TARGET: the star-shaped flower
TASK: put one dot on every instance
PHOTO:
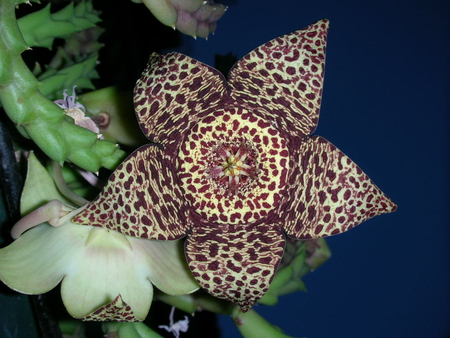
(238, 169)
(104, 275)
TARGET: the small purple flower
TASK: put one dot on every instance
(77, 111)
(69, 102)
(238, 169)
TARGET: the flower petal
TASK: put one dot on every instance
(169, 270)
(283, 79)
(141, 199)
(107, 266)
(330, 194)
(173, 92)
(30, 265)
(117, 311)
(235, 262)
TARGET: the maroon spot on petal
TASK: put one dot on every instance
(277, 55)
(213, 266)
(233, 267)
(294, 57)
(253, 269)
(316, 83)
(237, 256)
(269, 65)
(201, 258)
(310, 96)
(251, 65)
(265, 260)
(347, 194)
(263, 72)
(195, 70)
(156, 89)
(180, 99)
(229, 278)
(318, 229)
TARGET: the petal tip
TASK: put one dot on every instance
(117, 310)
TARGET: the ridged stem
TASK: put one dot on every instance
(36, 116)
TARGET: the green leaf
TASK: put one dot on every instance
(39, 187)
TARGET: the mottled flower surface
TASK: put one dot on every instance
(237, 168)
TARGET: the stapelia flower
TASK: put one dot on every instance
(104, 275)
(191, 17)
(237, 169)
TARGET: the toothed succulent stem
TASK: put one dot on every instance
(36, 116)
(40, 28)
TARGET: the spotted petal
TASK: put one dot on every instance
(330, 194)
(142, 199)
(285, 76)
(173, 92)
(117, 311)
(235, 262)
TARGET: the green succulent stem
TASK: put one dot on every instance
(129, 330)
(36, 116)
(40, 28)
(251, 325)
(197, 301)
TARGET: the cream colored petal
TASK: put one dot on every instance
(108, 266)
(169, 270)
(96, 266)
(37, 261)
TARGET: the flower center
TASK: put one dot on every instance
(233, 166)
(233, 170)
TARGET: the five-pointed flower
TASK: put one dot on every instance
(237, 169)
(104, 275)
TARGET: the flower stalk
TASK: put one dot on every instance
(251, 325)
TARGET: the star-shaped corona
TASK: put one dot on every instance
(237, 169)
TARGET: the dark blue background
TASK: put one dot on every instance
(385, 104)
